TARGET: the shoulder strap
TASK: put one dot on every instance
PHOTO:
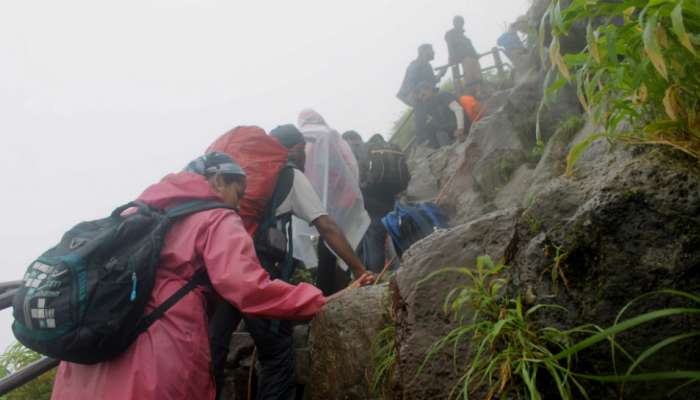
(194, 206)
(285, 180)
(199, 278)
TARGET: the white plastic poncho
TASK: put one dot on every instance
(332, 170)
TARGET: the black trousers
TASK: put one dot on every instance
(372, 246)
(275, 349)
(326, 279)
(425, 135)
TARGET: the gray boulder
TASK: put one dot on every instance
(420, 317)
(340, 340)
(627, 224)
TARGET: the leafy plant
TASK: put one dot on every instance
(626, 325)
(509, 354)
(637, 75)
(15, 358)
(556, 271)
(384, 358)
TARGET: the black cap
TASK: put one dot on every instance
(352, 135)
(288, 135)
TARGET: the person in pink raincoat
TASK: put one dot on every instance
(171, 359)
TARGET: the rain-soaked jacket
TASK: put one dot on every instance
(171, 359)
(332, 170)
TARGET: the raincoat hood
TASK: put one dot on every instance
(178, 188)
(332, 171)
(310, 117)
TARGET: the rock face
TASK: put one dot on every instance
(340, 340)
(420, 317)
(492, 169)
(626, 224)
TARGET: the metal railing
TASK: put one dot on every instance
(31, 371)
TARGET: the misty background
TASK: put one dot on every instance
(100, 99)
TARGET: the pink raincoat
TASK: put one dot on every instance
(171, 360)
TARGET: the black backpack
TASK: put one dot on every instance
(385, 168)
(83, 301)
(273, 238)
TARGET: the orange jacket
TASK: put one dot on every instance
(472, 107)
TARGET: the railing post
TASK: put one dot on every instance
(497, 61)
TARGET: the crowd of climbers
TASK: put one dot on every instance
(336, 187)
(441, 117)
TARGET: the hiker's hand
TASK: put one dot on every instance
(365, 279)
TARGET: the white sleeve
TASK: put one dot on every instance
(302, 200)
(459, 114)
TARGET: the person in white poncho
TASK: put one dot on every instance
(332, 170)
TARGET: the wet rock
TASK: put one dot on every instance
(626, 226)
(421, 320)
(340, 341)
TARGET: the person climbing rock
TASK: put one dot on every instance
(171, 359)
(461, 51)
(447, 117)
(293, 195)
(331, 168)
(419, 71)
(385, 174)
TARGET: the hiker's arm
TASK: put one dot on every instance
(235, 273)
(459, 115)
(334, 237)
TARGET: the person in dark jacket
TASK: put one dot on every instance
(461, 51)
(420, 71)
(354, 140)
(447, 119)
(377, 203)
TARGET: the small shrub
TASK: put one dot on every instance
(509, 355)
(637, 75)
(384, 358)
(15, 358)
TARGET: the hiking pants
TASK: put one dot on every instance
(424, 136)
(372, 245)
(327, 266)
(275, 352)
(276, 373)
(221, 326)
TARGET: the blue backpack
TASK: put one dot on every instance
(409, 223)
(84, 300)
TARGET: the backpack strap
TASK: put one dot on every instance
(285, 180)
(199, 278)
(194, 206)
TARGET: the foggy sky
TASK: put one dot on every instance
(98, 98)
